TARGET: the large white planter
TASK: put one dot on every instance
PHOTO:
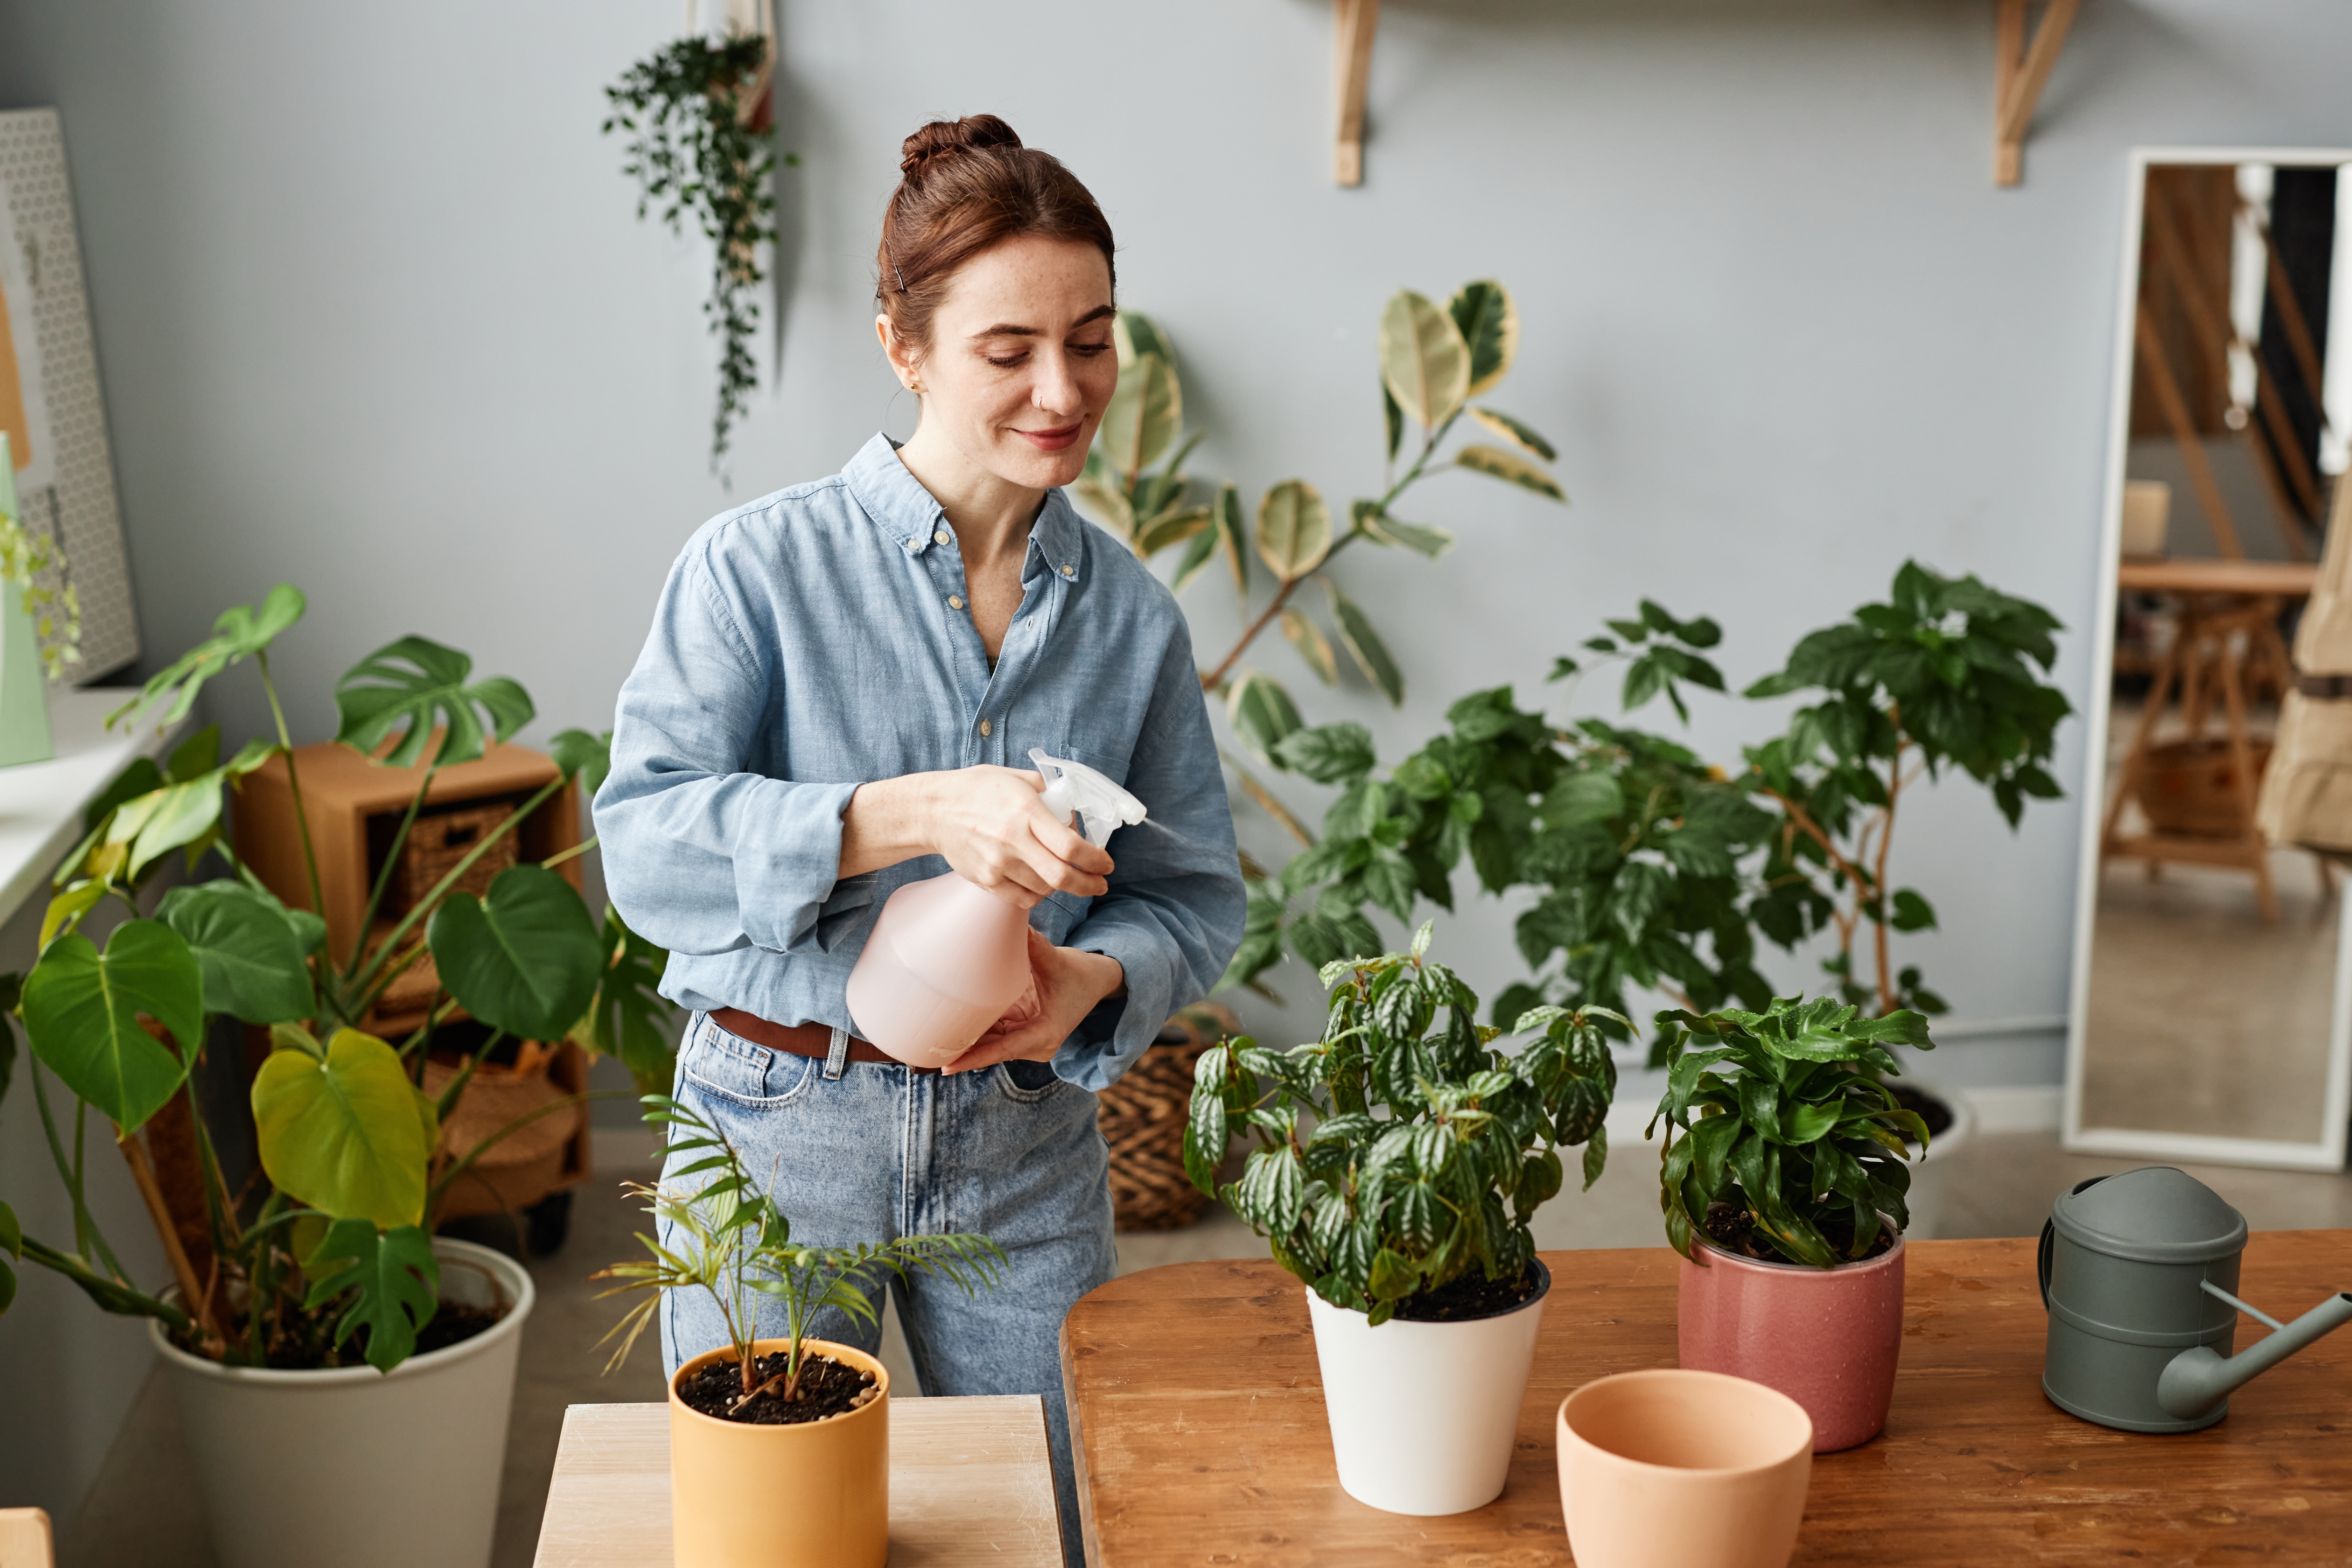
(1926, 1199)
(1423, 1416)
(351, 1465)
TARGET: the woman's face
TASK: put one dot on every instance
(1021, 363)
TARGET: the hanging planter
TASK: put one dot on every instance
(699, 114)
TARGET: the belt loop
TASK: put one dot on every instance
(837, 1058)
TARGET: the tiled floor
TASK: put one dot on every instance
(144, 1509)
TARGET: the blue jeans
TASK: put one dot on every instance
(867, 1151)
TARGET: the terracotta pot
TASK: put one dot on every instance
(1445, 1444)
(1827, 1338)
(816, 1495)
(1664, 1469)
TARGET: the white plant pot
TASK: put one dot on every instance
(1926, 1199)
(351, 1465)
(1423, 1416)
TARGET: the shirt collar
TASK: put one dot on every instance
(912, 516)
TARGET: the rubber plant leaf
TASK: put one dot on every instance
(342, 1132)
(81, 1011)
(393, 1281)
(1134, 334)
(1294, 529)
(1364, 645)
(1423, 360)
(249, 950)
(421, 685)
(1489, 324)
(242, 629)
(1143, 415)
(1197, 556)
(1512, 468)
(1173, 528)
(1312, 644)
(1515, 433)
(1230, 536)
(525, 959)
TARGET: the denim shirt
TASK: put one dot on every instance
(816, 639)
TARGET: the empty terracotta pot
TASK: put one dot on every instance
(816, 1495)
(1666, 1469)
(1827, 1338)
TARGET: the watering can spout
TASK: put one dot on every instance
(2197, 1380)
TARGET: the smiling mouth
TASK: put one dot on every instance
(1052, 440)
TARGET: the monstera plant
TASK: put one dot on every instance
(333, 1241)
(1434, 360)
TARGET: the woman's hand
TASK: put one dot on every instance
(1068, 985)
(989, 823)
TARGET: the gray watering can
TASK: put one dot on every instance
(2139, 1273)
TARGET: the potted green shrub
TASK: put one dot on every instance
(1399, 1161)
(334, 1363)
(1784, 1194)
(779, 1448)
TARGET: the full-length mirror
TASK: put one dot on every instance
(2209, 1010)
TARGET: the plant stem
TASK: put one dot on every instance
(390, 859)
(293, 784)
(560, 856)
(1885, 840)
(88, 1241)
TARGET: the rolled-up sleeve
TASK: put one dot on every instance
(1174, 915)
(702, 856)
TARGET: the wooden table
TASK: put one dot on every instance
(969, 1484)
(1198, 1416)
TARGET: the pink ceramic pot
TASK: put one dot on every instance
(1827, 1338)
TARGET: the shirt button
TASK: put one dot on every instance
(914, 542)
(983, 726)
(941, 536)
(955, 601)
(1069, 570)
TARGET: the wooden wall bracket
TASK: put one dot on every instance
(1354, 22)
(2019, 74)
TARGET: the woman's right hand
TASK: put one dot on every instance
(989, 823)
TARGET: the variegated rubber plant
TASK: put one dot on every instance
(1434, 360)
(1783, 1120)
(1399, 1152)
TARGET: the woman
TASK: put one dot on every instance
(840, 680)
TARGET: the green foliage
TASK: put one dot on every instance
(30, 563)
(1402, 1151)
(340, 1127)
(735, 1243)
(1783, 1118)
(525, 959)
(387, 1282)
(81, 1011)
(249, 948)
(241, 631)
(625, 1019)
(698, 153)
(1432, 359)
(418, 687)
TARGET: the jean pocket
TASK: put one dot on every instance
(1027, 1083)
(734, 1070)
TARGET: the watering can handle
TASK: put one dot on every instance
(2048, 1250)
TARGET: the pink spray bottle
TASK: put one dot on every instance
(947, 958)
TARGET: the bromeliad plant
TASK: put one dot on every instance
(335, 1238)
(1433, 360)
(1790, 1148)
(1398, 1153)
(731, 1240)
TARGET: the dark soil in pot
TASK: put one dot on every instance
(1733, 1229)
(1472, 1296)
(828, 1387)
(452, 1323)
(1931, 1111)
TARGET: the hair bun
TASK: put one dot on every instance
(943, 137)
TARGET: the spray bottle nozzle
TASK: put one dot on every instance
(1101, 807)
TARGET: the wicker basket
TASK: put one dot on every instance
(2191, 787)
(439, 840)
(1142, 1119)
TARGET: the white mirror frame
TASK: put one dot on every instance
(2328, 1154)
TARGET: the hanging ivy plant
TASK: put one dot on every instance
(701, 146)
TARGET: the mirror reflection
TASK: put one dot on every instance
(2217, 939)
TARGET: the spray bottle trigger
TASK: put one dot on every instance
(1100, 806)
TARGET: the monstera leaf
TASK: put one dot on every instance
(624, 1019)
(419, 684)
(394, 1280)
(583, 756)
(249, 948)
(525, 959)
(185, 813)
(81, 1011)
(241, 630)
(339, 1126)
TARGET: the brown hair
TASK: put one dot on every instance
(964, 185)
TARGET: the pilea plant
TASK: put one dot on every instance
(1400, 1153)
(334, 1240)
(1433, 360)
(736, 1243)
(702, 147)
(1790, 1149)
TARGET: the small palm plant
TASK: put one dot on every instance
(735, 1243)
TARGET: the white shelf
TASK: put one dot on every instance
(41, 802)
